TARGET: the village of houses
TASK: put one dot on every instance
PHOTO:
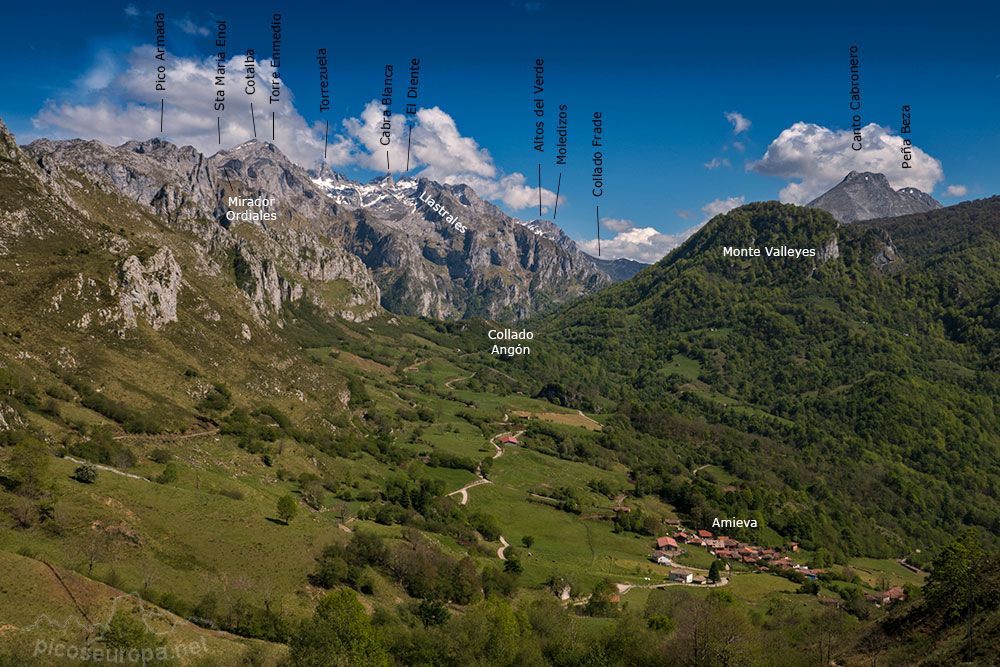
(729, 550)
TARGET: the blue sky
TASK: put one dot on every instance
(691, 97)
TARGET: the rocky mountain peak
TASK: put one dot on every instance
(866, 176)
(864, 195)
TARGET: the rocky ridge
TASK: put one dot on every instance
(411, 259)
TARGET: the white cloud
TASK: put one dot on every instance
(739, 121)
(720, 206)
(129, 108)
(646, 244)
(642, 244)
(956, 191)
(101, 73)
(186, 25)
(439, 150)
(716, 163)
(118, 107)
(131, 10)
(738, 145)
(617, 224)
(819, 158)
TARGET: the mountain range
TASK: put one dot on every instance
(419, 264)
(864, 195)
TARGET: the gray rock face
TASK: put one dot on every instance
(830, 249)
(500, 267)
(417, 263)
(864, 196)
(150, 289)
(886, 257)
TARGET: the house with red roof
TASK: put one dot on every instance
(509, 440)
(667, 543)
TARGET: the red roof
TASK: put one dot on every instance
(615, 598)
(666, 542)
(509, 438)
(704, 533)
(673, 522)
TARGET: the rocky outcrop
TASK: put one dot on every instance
(886, 257)
(149, 289)
(9, 419)
(865, 195)
(830, 249)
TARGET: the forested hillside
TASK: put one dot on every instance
(868, 374)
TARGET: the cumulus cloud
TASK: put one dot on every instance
(128, 107)
(716, 163)
(617, 224)
(646, 244)
(818, 158)
(739, 121)
(439, 150)
(720, 206)
(101, 73)
(118, 107)
(956, 191)
(642, 244)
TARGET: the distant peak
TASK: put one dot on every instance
(864, 195)
(861, 176)
(383, 180)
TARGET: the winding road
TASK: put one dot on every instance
(448, 383)
(464, 491)
(503, 548)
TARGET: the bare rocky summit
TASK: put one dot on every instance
(866, 195)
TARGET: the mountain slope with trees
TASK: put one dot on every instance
(871, 367)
